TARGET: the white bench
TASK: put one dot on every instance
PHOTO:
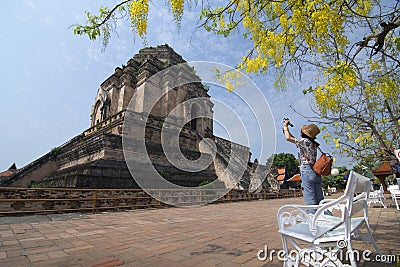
(395, 194)
(324, 235)
(376, 196)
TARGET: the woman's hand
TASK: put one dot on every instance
(286, 123)
(289, 137)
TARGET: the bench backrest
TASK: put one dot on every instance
(349, 202)
(363, 188)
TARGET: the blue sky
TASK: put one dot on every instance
(50, 77)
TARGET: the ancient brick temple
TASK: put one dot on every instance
(95, 159)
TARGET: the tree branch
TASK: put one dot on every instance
(97, 25)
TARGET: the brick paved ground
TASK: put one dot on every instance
(215, 235)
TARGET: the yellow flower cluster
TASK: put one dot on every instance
(363, 8)
(336, 141)
(138, 11)
(383, 88)
(293, 23)
(340, 79)
(177, 7)
(363, 139)
(374, 65)
(232, 79)
(388, 88)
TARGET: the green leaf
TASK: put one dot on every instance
(309, 90)
(397, 42)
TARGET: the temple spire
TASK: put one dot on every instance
(13, 167)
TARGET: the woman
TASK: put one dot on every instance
(311, 183)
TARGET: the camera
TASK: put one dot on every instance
(287, 119)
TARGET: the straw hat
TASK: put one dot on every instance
(311, 130)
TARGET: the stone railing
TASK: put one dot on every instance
(107, 124)
(231, 144)
(46, 200)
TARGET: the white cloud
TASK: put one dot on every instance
(93, 53)
(29, 4)
(48, 20)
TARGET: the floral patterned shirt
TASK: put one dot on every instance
(307, 151)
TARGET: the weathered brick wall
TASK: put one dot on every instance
(42, 169)
(20, 200)
(25, 200)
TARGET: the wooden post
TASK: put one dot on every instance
(94, 201)
(159, 197)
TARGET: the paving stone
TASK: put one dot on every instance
(52, 263)
(15, 253)
(103, 262)
(11, 242)
(69, 250)
(15, 261)
(6, 233)
(38, 257)
(6, 248)
(40, 250)
(245, 257)
(56, 254)
(226, 235)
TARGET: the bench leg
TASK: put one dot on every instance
(383, 204)
(397, 204)
(372, 240)
(289, 262)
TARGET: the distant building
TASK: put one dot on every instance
(10, 171)
(295, 181)
(286, 182)
(281, 175)
(382, 172)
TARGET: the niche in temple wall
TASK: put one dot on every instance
(101, 108)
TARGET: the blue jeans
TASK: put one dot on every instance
(311, 184)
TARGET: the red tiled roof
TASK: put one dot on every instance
(281, 170)
(384, 169)
(280, 177)
(294, 178)
(281, 174)
(10, 171)
(6, 173)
